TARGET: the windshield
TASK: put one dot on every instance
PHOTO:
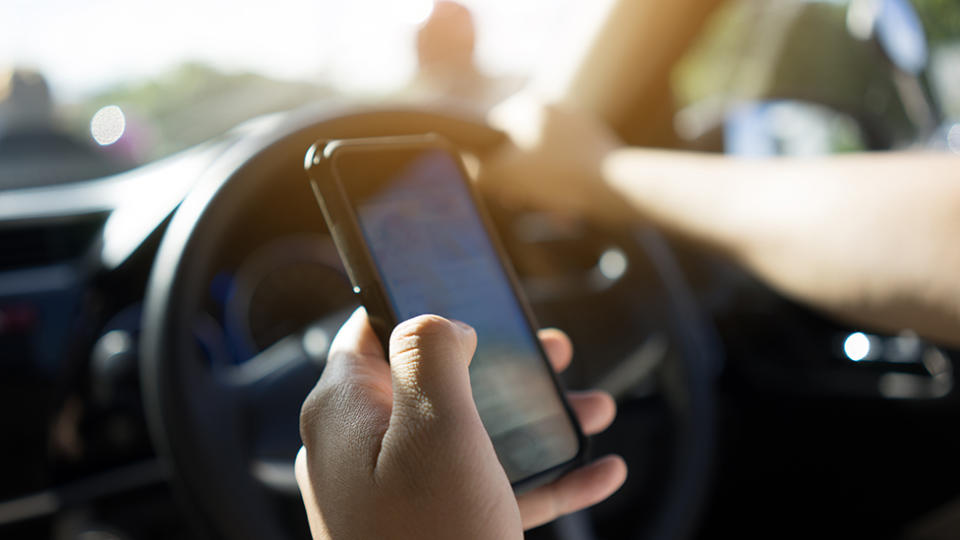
(106, 85)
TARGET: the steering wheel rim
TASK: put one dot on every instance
(195, 420)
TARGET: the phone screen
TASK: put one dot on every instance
(433, 254)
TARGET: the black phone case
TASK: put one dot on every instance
(361, 270)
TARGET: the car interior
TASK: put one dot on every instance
(165, 309)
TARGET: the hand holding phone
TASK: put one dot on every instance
(433, 472)
(415, 240)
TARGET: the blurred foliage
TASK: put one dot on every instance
(724, 61)
(190, 104)
(820, 62)
(800, 50)
(709, 68)
(941, 19)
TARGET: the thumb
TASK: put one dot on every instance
(429, 360)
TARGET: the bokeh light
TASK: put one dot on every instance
(108, 125)
(613, 263)
(953, 138)
(856, 346)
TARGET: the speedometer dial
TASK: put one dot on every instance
(283, 287)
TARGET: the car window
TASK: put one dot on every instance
(822, 71)
(108, 84)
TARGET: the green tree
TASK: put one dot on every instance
(941, 19)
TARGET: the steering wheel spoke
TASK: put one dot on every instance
(269, 390)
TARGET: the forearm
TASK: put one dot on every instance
(869, 237)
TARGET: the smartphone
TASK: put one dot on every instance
(415, 239)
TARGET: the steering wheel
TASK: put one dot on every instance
(216, 427)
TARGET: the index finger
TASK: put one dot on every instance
(574, 491)
(558, 347)
(354, 392)
(356, 352)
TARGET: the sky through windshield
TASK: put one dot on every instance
(363, 46)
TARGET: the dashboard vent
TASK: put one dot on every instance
(38, 243)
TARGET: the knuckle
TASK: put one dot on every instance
(425, 327)
(423, 334)
(337, 356)
(300, 467)
(312, 412)
(309, 413)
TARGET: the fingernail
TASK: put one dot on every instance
(463, 326)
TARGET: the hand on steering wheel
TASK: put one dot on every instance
(555, 161)
(399, 450)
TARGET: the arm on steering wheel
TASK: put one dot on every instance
(870, 238)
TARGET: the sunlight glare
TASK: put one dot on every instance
(360, 46)
(416, 11)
